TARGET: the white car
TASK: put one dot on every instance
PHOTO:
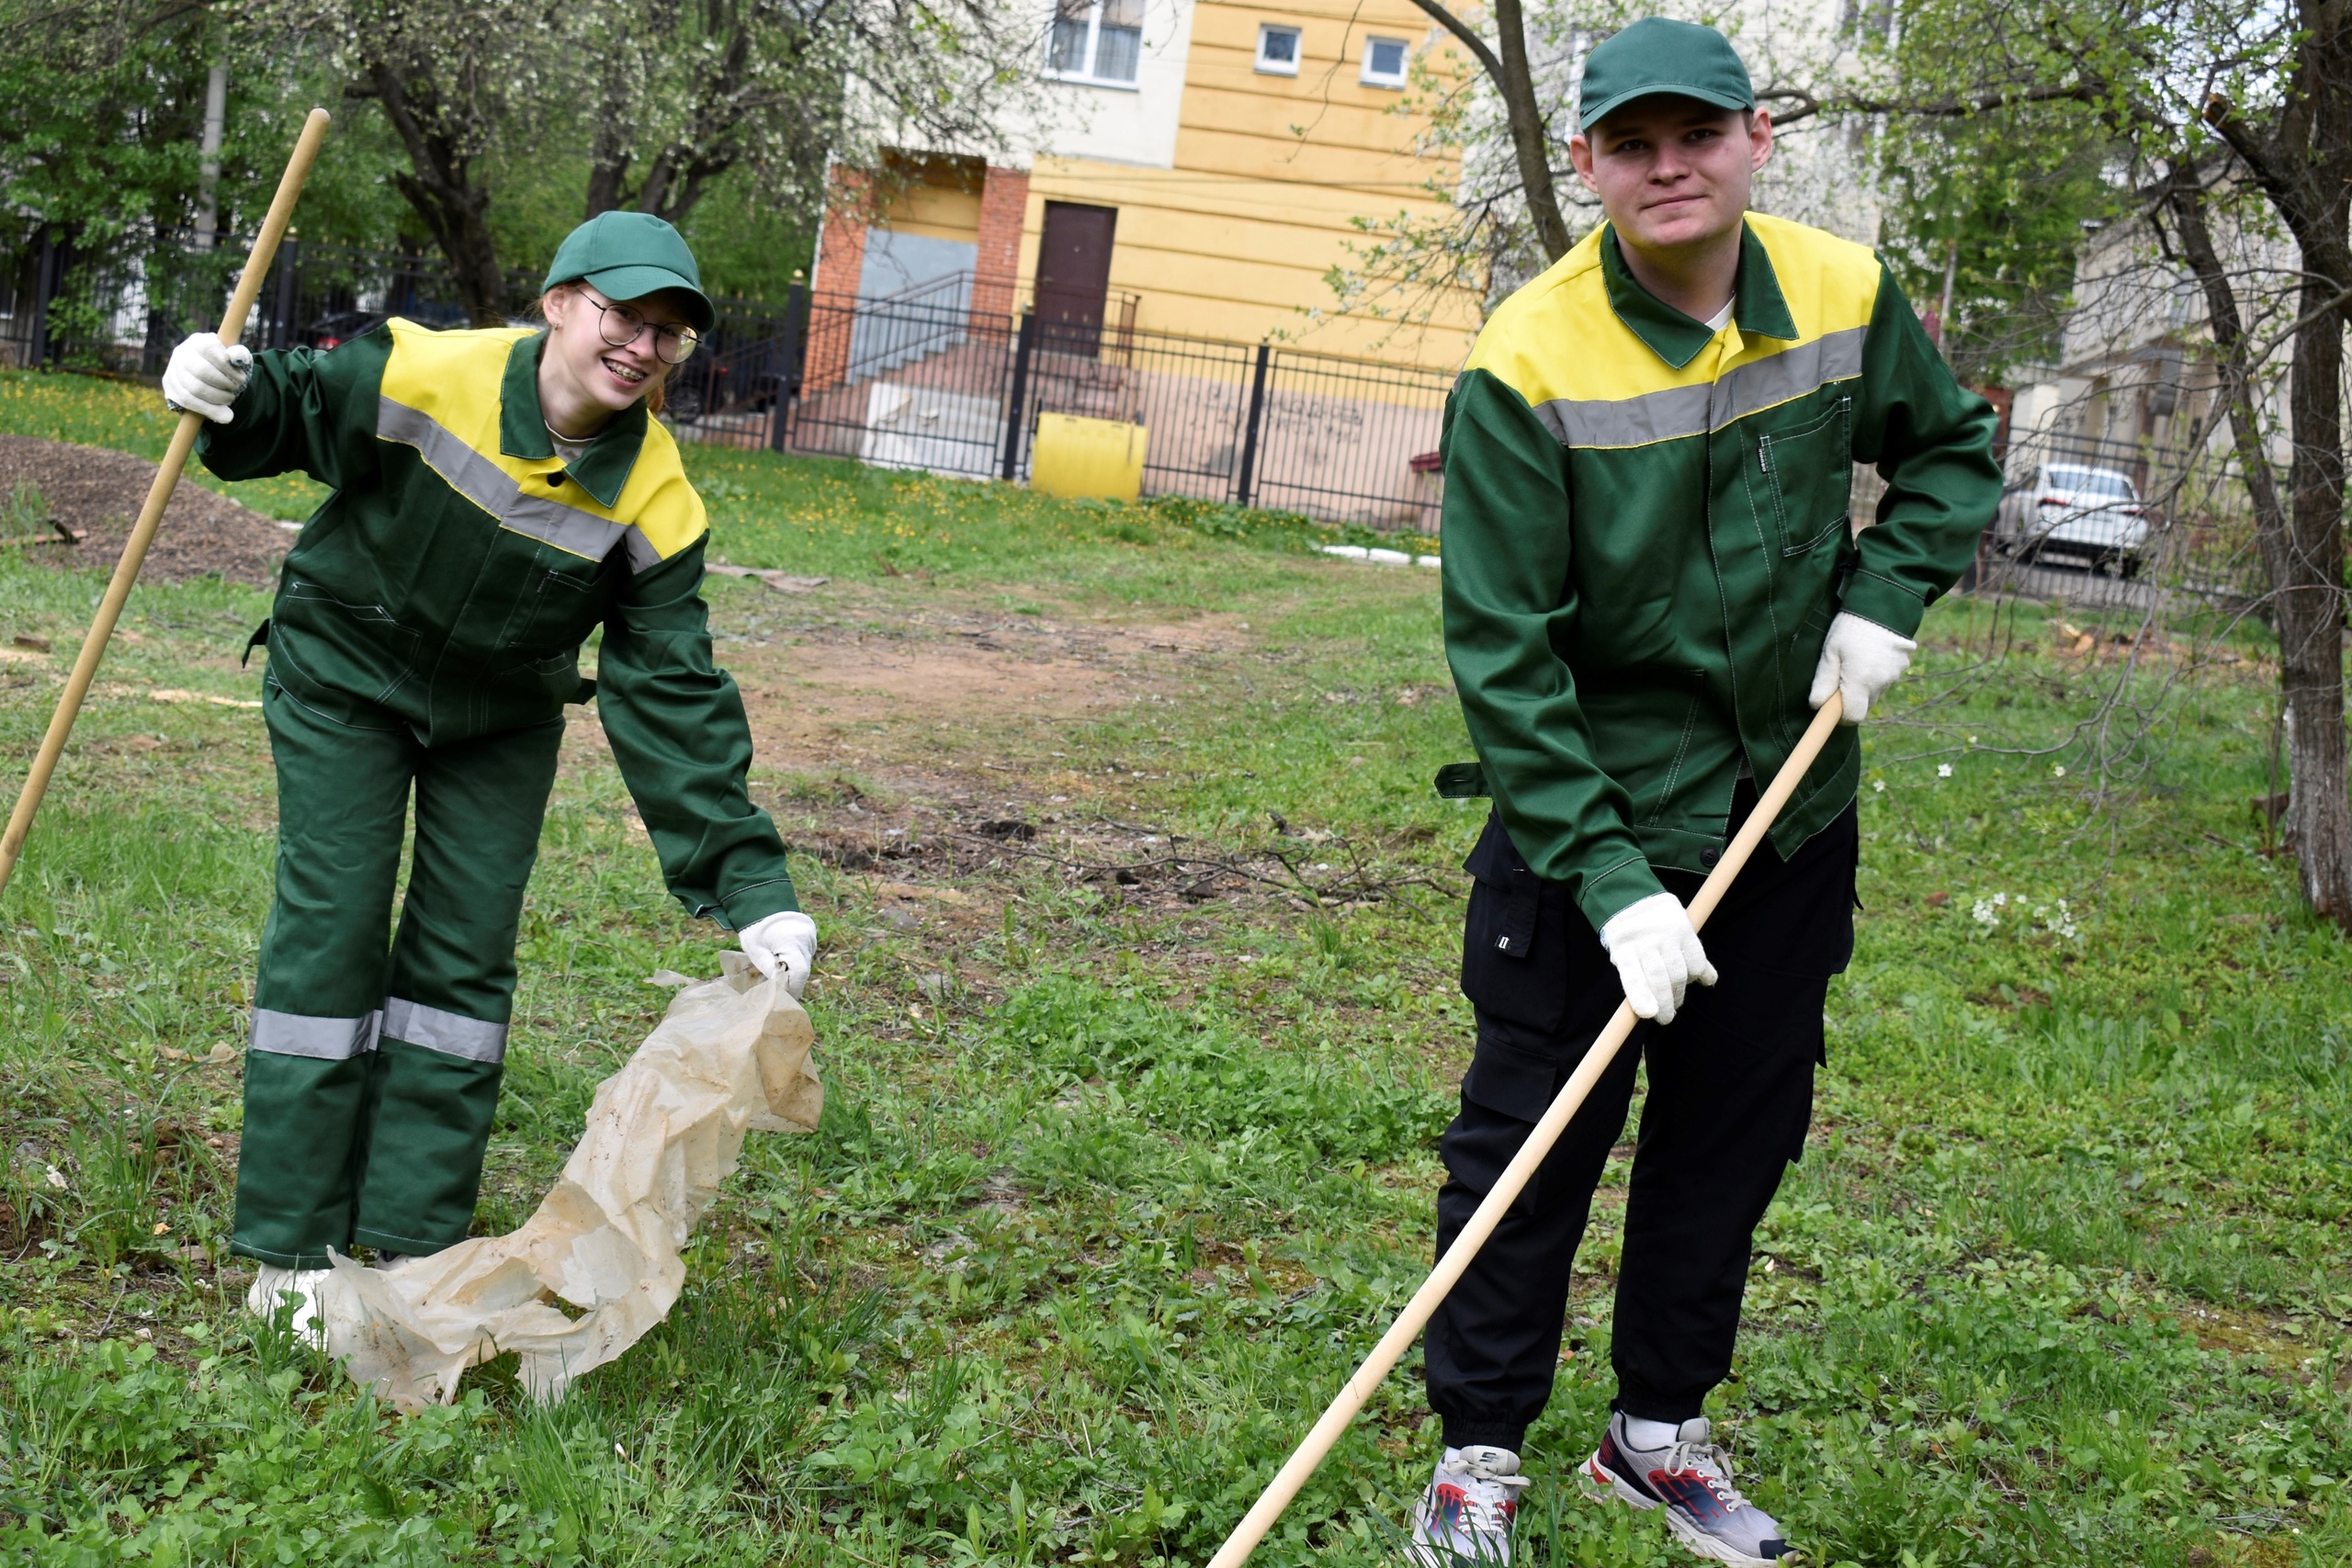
(2074, 511)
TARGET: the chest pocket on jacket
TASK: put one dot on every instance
(1809, 477)
(559, 609)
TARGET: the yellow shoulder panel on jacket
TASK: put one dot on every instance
(453, 375)
(1560, 343)
(441, 395)
(658, 500)
(1523, 341)
(1831, 285)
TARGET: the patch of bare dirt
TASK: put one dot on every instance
(96, 494)
(834, 672)
(820, 689)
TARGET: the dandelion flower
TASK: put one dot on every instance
(2058, 771)
(1943, 770)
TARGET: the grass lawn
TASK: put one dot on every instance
(1137, 1016)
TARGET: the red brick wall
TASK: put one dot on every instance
(841, 256)
(1005, 204)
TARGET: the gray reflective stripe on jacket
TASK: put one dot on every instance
(471, 474)
(1699, 411)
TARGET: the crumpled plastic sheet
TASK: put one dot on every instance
(731, 1056)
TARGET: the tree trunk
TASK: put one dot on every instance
(2185, 199)
(608, 175)
(439, 187)
(608, 152)
(2303, 158)
(654, 194)
(2310, 598)
(1530, 144)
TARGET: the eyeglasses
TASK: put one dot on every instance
(620, 326)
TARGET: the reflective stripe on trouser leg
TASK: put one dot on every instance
(433, 1093)
(342, 804)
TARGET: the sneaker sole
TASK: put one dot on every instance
(1600, 1483)
(1429, 1555)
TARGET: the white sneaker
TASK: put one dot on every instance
(272, 1285)
(1690, 1479)
(1465, 1516)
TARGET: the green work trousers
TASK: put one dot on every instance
(371, 1077)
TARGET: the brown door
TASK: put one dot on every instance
(1074, 275)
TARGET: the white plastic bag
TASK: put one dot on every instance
(730, 1056)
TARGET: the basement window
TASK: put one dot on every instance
(1096, 41)
(1277, 50)
(1384, 63)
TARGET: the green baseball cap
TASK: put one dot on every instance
(628, 255)
(1657, 55)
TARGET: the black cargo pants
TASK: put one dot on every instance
(1730, 1097)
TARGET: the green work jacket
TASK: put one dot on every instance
(1647, 535)
(452, 578)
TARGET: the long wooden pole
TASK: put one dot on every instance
(159, 495)
(1449, 1268)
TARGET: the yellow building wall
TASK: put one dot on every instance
(1236, 240)
(936, 197)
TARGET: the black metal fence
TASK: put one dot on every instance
(953, 376)
(2111, 524)
(122, 306)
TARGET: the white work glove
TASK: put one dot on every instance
(1656, 952)
(788, 941)
(1862, 658)
(206, 374)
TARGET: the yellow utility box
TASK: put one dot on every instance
(1098, 457)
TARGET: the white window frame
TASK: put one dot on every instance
(1094, 55)
(1297, 48)
(1372, 78)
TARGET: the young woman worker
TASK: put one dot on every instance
(498, 496)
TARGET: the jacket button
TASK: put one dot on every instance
(1710, 855)
(556, 478)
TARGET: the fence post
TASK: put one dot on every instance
(787, 384)
(281, 327)
(1246, 475)
(1020, 352)
(44, 286)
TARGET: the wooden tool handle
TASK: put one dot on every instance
(1360, 1386)
(159, 495)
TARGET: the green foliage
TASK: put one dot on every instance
(99, 117)
(2017, 192)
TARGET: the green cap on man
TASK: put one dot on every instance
(1657, 56)
(628, 255)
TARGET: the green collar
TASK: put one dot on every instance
(1757, 303)
(605, 467)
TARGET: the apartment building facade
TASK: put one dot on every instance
(1203, 168)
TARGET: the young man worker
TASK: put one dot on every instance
(1650, 582)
